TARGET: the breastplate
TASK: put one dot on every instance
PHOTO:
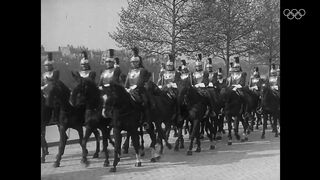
(84, 74)
(273, 81)
(107, 75)
(48, 75)
(168, 76)
(210, 76)
(184, 76)
(198, 77)
(254, 81)
(235, 78)
(133, 76)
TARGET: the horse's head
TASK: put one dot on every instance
(227, 95)
(117, 96)
(85, 92)
(55, 93)
(152, 88)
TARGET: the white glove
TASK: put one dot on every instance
(254, 87)
(133, 87)
(106, 85)
(160, 87)
(236, 87)
(210, 84)
(43, 87)
(100, 87)
(274, 87)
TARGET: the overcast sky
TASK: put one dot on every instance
(79, 22)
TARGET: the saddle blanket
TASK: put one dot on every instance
(235, 87)
(171, 85)
(253, 87)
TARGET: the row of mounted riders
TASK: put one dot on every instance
(84, 106)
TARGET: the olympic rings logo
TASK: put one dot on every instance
(294, 13)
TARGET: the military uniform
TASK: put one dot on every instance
(254, 83)
(185, 73)
(46, 77)
(111, 73)
(86, 71)
(169, 79)
(210, 72)
(136, 78)
(220, 82)
(274, 80)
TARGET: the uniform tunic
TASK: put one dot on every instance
(254, 82)
(110, 75)
(274, 83)
(88, 74)
(169, 79)
(49, 76)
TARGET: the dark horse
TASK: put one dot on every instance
(164, 110)
(87, 94)
(232, 108)
(69, 116)
(270, 104)
(125, 115)
(193, 107)
(44, 145)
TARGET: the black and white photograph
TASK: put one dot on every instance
(161, 89)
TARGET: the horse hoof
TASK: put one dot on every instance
(246, 139)
(198, 149)
(181, 146)
(219, 138)
(189, 153)
(85, 163)
(229, 143)
(262, 136)
(106, 164)
(137, 164)
(169, 146)
(153, 160)
(212, 147)
(113, 169)
(176, 148)
(95, 155)
(56, 164)
(238, 137)
(158, 158)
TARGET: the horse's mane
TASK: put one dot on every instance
(119, 89)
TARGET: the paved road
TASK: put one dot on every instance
(252, 160)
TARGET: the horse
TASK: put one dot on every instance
(86, 94)
(44, 145)
(126, 115)
(164, 111)
(192, 106)
(270, 104)
(69, 117)
(232, 108)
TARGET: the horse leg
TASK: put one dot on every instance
(117, 148)
(105, 133)
(97, 137)
(161, 134)
(236, 127)
(245, 125)
(258, 120)
(202, 125)
(84, 159)
(214, 129)
(108, 135)
(63, 141)
(151, 132)
(135, 141)
(264, 126)
(125, 146)
(219, 127)
(43, 148)
(142, 153)
(275, 125)
(229, 121)
(192, 135)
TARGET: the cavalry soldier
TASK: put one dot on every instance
(221, 82)
(254, 81)
(185, 73)
(162, 70)
(274, 80)
(50, 73)
(111, 73)
(136, 78)
(86, 71)
(209, 69)
(200, 80)
(169, 79)
(237, 81)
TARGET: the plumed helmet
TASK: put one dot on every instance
(209, 63)
(220, 72)
(170, 60)
(135, 56)
(84, 59)
(109, 55)
(200, 57)
(236, 66)
(49, 60)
